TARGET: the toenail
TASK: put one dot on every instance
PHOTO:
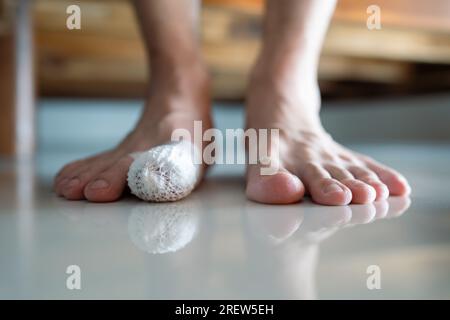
(332, 188)
(357, 184)
(99, 184)
(73, 182)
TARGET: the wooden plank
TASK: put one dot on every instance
(107, 57)
(390, 44)
(7, 95)
(112, 17)
(7, 83)
(430, 15)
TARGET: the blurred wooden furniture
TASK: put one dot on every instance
(106, 57)
(7, 87)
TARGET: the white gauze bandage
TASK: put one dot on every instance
(167, 172)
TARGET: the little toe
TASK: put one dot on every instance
(396, 183)
(109, 185)
(58, 186)
(279, 188)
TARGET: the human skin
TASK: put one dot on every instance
(177, 96)
(282, 94)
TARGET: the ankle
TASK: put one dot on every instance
(280, 85)
(183, 79)
(283, 94)
(177, 88)
(284, 70)
(180, 72)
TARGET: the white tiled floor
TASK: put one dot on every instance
(215, 243)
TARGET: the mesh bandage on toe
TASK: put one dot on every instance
(165, 173)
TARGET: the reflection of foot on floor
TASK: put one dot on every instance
(175, 101)
(310, 223)
(310, 159)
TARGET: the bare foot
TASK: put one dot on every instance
(310, 160)
(178, 96)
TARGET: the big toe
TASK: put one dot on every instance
(279, 188)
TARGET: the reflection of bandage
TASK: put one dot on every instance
(162, 229)
(165, 173)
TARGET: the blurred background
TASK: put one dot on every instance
(410, 54)
(407, 58)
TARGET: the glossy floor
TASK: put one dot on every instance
(216, 244)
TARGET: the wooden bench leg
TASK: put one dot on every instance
(17, 90)
(7, 85)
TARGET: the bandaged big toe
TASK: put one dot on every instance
(167, 172)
